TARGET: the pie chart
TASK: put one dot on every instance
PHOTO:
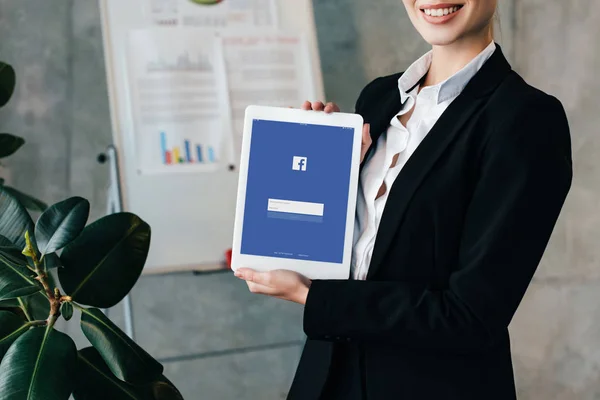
(207, 2)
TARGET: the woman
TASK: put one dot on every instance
(465, 171)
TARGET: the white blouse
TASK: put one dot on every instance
(429, 103)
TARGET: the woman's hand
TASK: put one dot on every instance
(331, 108)
(283, 284)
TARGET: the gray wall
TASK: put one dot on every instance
(216, 340)
(557, 330)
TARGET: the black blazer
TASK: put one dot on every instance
(464, 227)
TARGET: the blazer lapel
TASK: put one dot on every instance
(446, 129)
(391, 105)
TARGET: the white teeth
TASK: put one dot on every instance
(440, 12)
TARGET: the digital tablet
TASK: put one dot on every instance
(296, 200)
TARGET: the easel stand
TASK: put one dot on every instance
(115, 205)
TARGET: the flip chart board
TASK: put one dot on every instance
(180, 75)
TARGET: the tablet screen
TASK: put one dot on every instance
(297, 191)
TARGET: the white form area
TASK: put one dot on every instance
(296, 207)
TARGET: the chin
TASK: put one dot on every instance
(440, 38)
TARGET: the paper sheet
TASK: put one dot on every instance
(213, 14)
(162, 12)
(180, 100)
(270, 69)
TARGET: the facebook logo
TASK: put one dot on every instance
(299, 163)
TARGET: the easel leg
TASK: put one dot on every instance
(115, 205)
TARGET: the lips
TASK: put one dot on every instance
(440, 13)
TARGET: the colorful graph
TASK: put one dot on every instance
(186, 154)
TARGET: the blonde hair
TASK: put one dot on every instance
(496, 20)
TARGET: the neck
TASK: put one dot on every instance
(448, 60)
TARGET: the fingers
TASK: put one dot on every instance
(249, 275)
(320, 106)
(331, 107)
(366, 135)
(261, 289)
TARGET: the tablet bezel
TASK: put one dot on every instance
(308, 268)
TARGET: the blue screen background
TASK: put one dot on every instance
(270, 176)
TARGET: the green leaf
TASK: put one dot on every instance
(8, 79)
(11, 327)
(15, 278)
(95, 381)
(103, 264)
(9, 144)
(66, 309)
(51, 261)
(4, 242)
(14, 219)
(61, 223)
(29, 202)
(10, 303)
(163, 389)
(127, 361)
(37, 305)
(38, 366)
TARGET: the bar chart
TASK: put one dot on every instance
(186, 152)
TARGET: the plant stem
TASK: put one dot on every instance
(37, 323)
(24, 308)
(53, 297)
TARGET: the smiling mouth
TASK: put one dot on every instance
(441, 11)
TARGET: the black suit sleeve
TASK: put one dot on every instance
(525, 175)
(359, 105)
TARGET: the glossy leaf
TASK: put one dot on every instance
(103, 264)
(37, 305)
(14, 219)
(11, 327)
(66, 310)
(9, 144)
(8, 79)
(163, 389)
(127, 361)
(10, 303)
(51, 261)
(61, 223)
(4, 242)
(27, 201)
(95, 381)
(15, 278)
(38, 366)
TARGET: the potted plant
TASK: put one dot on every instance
(97, 265)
